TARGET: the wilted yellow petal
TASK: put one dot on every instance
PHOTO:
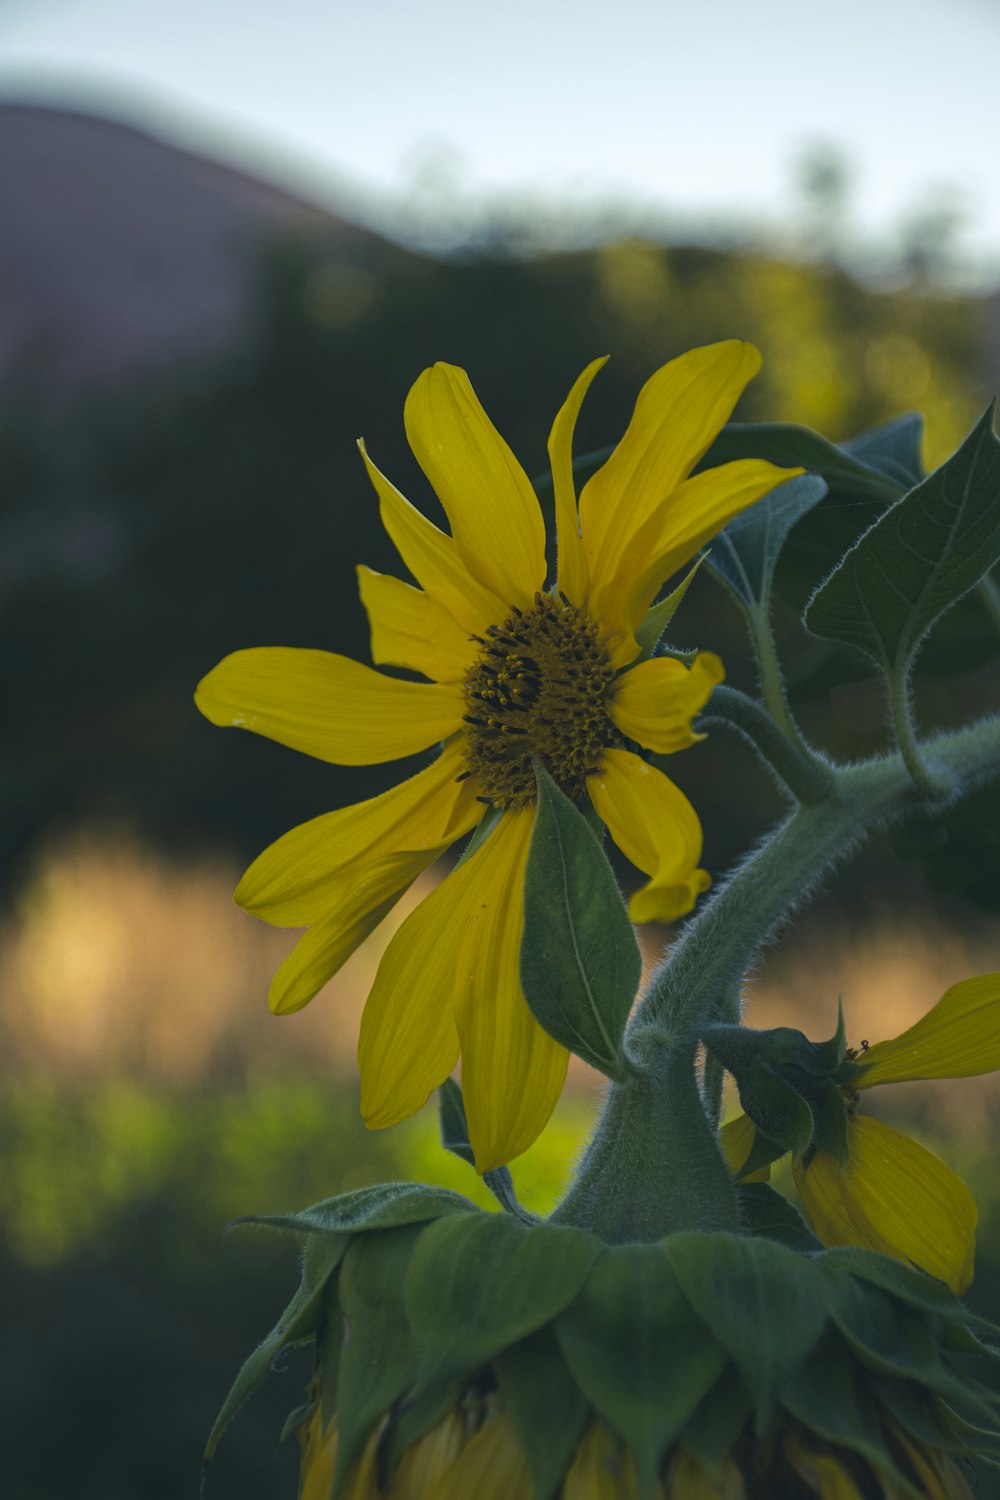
(603, 1469)
(450, 952)
(493, 511)
(328, 705)
(896, 1197)
(426, 1463)
(572, 561)
(819, 1467)
(491, 1466)
(655, 826)
(653, 703)
(302, 877)
(433, 558)
(410, 629)
(679, 411)
(737, 1139)
(958, 1038)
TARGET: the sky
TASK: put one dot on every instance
(699, 113)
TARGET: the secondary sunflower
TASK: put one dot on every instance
(514, 673)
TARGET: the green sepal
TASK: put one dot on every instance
(824, 1395)
(295, 1419)
(477, 1285)
(830, 1120)
(580, 962)
(919, 558)
(658, 616)
(929, 1421)
(380, 1356)
(829, 1055)
(487, 823)
(912, 1287)
(383, 1206)
(763, 1153)
(784, 1085)
(737, 1047)
(768, 1213)
(638, 1351)
(329, 1343)
(764, 1303)
(297, 1323)
(546, 1407)
(744, 554)
(893, 448)
(710, 1434)
(455, 1138)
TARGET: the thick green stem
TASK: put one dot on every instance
(637, 1175)
(807, 777)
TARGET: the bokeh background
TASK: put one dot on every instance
(228, 244)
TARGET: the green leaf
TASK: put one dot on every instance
(638, 1351)
(544, 1404)
(380, 1356)
(744, 554)
(380, 1207)
(764, 1303)
(768, 1213)
(580, 962)
(479, 1284)
(918, 559)
(792, 446)
(297, 1323)
(894, 449)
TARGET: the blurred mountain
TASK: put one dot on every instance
(120, 251)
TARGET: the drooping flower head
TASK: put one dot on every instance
(515, 675)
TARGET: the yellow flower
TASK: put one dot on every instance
(515, 674)
(894, 1195)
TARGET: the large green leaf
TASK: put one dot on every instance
(764, 1303)
(894, 449)
(744, 554)
(639, 1352)
(379, 1207)
(793, 446)
(580, 962)
(917, 560)
(479, 1284)
(297, 1323)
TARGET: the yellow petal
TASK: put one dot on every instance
(493, 511)
(936, 1475)
(655, 826)
(687, 519)
(327, 705)
(819, 1468)
(896, 1197)
(433, 558)
(302, 877)
(319, 1459)
(679, 411)
(736, 1140)
(444, 950)
(603, 1469)
(410, 629)
(572, 562)
(322, 950)
(425, 1465)
(654, 702)
(512, 1071)
(490, 1467)
(958, 1038)
(687, 1480)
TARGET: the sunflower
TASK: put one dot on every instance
(893, 1195)
(516, 675)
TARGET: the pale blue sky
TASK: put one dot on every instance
(696, 110)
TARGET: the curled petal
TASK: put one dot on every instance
(491, 1466)
(322, 950)
(328, 705)
(958, 1038)
(736, 1141)
(572, 560)
(653, 703)
(896, 1197)
(655, 826)
(493, 511)
(410, 629)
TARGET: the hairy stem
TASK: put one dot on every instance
(807, 777)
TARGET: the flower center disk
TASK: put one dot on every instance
(538, 690)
